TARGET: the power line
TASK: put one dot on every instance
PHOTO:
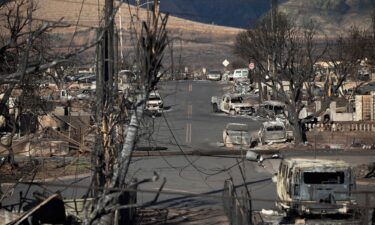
(75, 31)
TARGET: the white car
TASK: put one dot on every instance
(154, 104)
(240, 74)
(214, 75)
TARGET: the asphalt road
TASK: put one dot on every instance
(188, 121)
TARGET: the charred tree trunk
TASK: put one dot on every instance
(299, 132)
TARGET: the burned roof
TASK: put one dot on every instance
(315, 163)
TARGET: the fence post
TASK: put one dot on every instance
(366, 208)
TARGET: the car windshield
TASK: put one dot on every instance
(324, 177)
(275, 128)
(154, 98)
(237, 127)
(278, 110)
(237, 100)
(214, 73)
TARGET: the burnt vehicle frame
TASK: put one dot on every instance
(315, 186)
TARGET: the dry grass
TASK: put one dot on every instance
(199, 44)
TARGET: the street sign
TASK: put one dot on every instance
(225, 63)
(251, 66)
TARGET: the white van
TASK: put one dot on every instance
(240, 74)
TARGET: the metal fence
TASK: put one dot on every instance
(344, 126)
(237, 206)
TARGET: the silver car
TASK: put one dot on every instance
(272, 131)
(214, 75)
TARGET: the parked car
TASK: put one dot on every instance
(315, 186)
(271, 109)
(236, 134)
(214, 75)
(154, 104)
(273, 132)
(232, 104)
(239, 74)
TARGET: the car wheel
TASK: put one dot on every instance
(253, 144)
(215, 109)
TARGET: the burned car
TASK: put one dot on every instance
(232, 104)
(315, 186)
(271, 109)
(236, 134)
(273, 132)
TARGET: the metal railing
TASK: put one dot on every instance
(345, 126)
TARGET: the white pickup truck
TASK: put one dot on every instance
(231, 104)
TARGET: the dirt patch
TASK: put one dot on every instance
(40, 169)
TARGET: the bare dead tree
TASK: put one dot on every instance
(118, 130)
(289, 53)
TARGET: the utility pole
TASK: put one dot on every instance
(104, 88)
(274, 28)
(138, 31)
(274, 5)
